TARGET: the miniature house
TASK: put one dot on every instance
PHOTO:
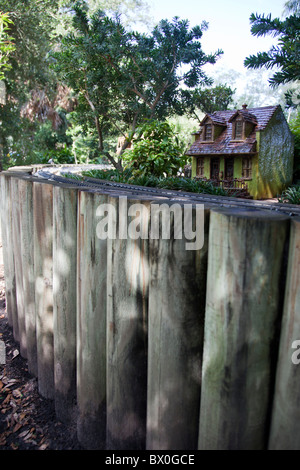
(251, 147)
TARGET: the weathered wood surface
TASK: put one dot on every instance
(43, 273)
(285, 427)
(8, 253)
(127, 325)
(27, 252)
(16, 239)
(64, 300)
(139, 322)
(3, 219)
(243, 312)
(91, 324)
(176, 327)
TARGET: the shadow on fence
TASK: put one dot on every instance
(147, 345)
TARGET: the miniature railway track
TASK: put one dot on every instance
(179, 196)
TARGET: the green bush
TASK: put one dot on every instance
(59, 156)
(295, 128)
(156, 153)
(114, 175)
(172, 183)
(290, 195)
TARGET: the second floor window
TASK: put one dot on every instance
(208, 132)
(238, 131)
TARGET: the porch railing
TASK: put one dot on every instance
(237, 186)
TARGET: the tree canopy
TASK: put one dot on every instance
(125, 77)
(285, 56)
(209, 100)
(6, 44)
(33, 23)
(77, 78)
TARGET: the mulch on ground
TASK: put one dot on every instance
(27, 420)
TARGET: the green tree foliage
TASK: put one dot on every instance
(292, 7)
(157, 153)
(32, 26)
(124, 77)
(209, 100)
(34, 94)
(295, 128)
(131, 11)
(6, 44)
(285, 56)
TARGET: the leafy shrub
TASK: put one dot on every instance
(58, 156)
(172, 183)
(290, 195)
(190, 185)
(156, 153)
(295, 128)
(114, 175)
(73, 176)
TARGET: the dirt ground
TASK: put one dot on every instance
(27, 420)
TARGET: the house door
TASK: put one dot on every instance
(229, 168)
(215, 168)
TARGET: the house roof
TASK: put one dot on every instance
(215, 118)
(245, 113)
(223, 144)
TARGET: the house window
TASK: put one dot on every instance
(200, 166)
(247, 167)
(238, 131)
(208, 132)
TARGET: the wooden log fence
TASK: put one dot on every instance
(27, 254)
(141, 342)
(127, 329)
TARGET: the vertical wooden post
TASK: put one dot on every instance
(16, 240)
(91, 324)
(243, 313)
(27, 251)
(8, 253)
(176, 327)
(43, 271)
(285, 427)
(3, 216)
(11, 279)
(127, 329)
(64, 300)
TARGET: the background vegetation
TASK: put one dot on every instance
(79, 79)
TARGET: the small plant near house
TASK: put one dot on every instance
(190, 186)
(290, 196)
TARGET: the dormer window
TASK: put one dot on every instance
(208, 132)
(243, 124)
(212, 126)
(238, 130)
